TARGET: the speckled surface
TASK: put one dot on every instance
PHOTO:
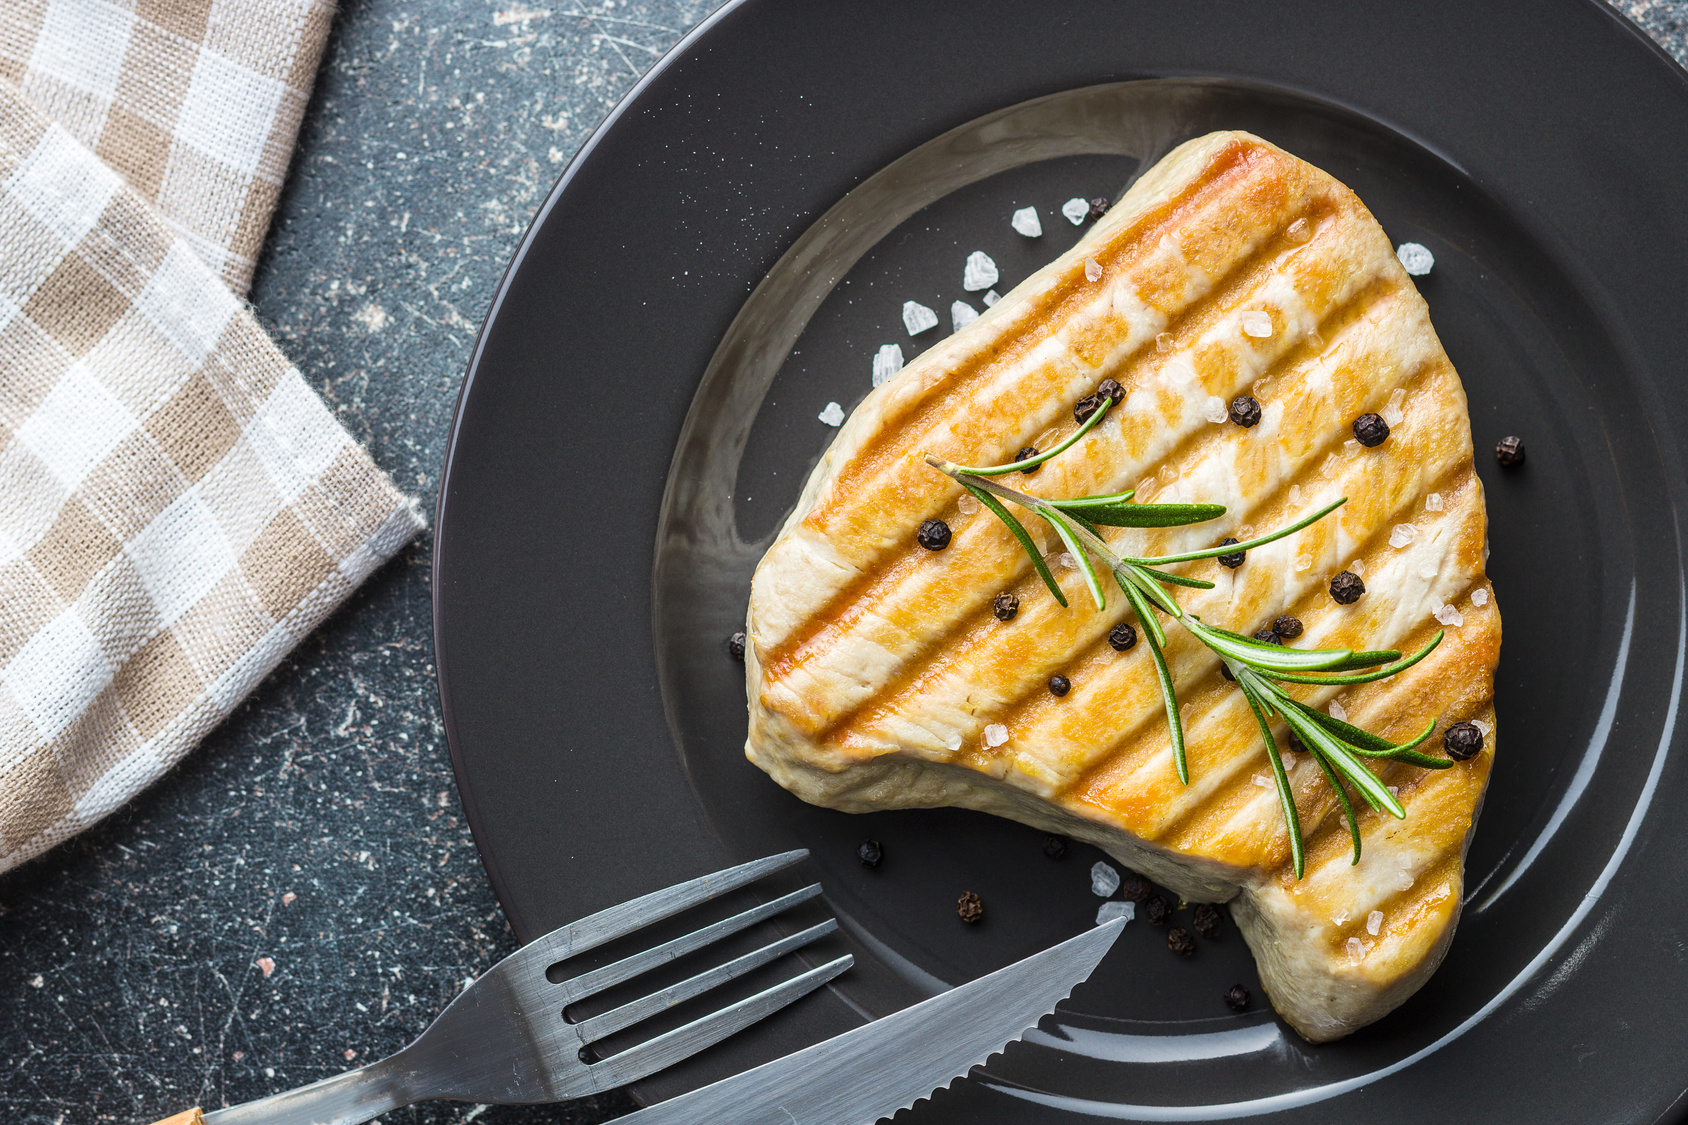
(302, 895)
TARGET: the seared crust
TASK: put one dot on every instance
(874, 665)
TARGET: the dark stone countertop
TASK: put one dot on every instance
(301, 894)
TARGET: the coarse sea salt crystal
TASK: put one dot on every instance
(996, 734)
(961, 315)
(967, 505)
(1357, 568)
(1299, 231)
(1433, 502)
(1350, 447)
(887, 361)
(1448, 615)
(1092, 270)
(1337, 712)
(1428, 566)
(917, 318)
(979, 272)
(1163, 342)
(1315, 341)
(1341, 919)
(1256, 323)
(1394, 790)
(1262, 780)
(1328, 468)
(1480, 596)
(1108, 911)
(1374, 922)
(952, 740)
(1416, 257)
(833, 415)
(991, 298)
(1403, 534)
(1025, 222)
(1075, 209)
(1215, 410)
(1356, 949)
(1295, 494)
(1485, 728)
(1104, 879)
(1067, 561)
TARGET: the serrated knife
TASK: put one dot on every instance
(872, 1072)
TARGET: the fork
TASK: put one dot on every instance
(504, 1039)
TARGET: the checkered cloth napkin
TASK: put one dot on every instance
(177, 508)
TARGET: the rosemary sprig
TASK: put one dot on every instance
(1260, 669)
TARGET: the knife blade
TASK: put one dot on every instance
(872, 1072)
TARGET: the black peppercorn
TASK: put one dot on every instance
(1055, 847)
(870, 853)
(1098, 207)
(1462, 741)
(1207, 921)
(1245, 411)
(1266, 636)
(1005, 606)
(1059, 685)
(1370, 429)
(1233, 560)
(1110, 388)
(1123, 637)
(735, 646)
(1296, 744)
(1346, 588)
(1135, 888)
(1089, 404)
(1178, 940)
(1287, 627)
(1028, 451)
(1237, 998)
(970, 907)
(934, 535)
(1509, 451)
(1157, 910)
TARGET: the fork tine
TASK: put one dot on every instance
(620, 920)
(684, 1042)
(627, 968)
(631, 1013)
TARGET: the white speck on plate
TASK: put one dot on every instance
(1403, 534)
(996, 734)
(1433, 502)
(1256, 323)
(1448, 615)
(991, 298)
(1215, 410)
(1262, 780)
(952, 740)
(1075, 209)
(1025, 222)
(1337, 712)
(833, 415)
(1374, 922)
(1092, 270)
(1415, 257)
(1482, 726)
(1391, 411)
(917, 318)
(979, 272)
(1163, 342)
(1480, 596)
(1108, 911)
(1104, 879)
(887, 361)
(961, 315)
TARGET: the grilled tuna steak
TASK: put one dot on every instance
(875, 666)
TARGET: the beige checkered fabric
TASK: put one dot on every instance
(177, 508)
(195, 103)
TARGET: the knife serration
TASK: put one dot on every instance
(875, 1070)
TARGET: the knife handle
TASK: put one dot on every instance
(186, 1117)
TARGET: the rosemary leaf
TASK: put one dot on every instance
(1234, 548)
(1065, 530)
(1140, 605)
(1347, 806)
(1267, 657)
(1032, 462)
(1321, 741)
(1019, 533)
(1286, 798)
(1177, 579)
(1366, 677)
(1115, 514)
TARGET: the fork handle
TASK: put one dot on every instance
(345, 1099)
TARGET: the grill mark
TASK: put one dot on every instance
(880, 585)
(1081, 620)
(874, 463)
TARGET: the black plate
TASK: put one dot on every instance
(640, 412)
